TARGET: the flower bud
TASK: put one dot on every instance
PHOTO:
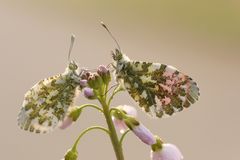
(131, 122)
(91, 79)
(71, 154)
(167, 152)
(102, 70)
(118, 123)
(89, 93)
(157, 145)
(104, 73)
(72, 116)
(129, 110)
(95, 81)
(66, 122)
(118, 118)
(85, 74)
(74, 113)
(144, 134)
(83, 83)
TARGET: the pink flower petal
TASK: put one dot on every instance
(66, 122)
(168, 152)
(119, 124)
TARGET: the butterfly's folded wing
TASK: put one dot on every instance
(159, 89)
(46, 104)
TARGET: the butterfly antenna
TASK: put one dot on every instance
(110, 33)
(71, 46)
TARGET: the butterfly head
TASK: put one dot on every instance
(117, 55)
(120, 62)
(72, 70)
(72, 66)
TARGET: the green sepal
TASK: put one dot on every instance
(106, 77)
(75, 113)
(158, 145)
(131, 122)
(117, 115)
(71, 154)
(95, 82)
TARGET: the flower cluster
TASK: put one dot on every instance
(95, 83)
(92, 85)
(125, 117)
(158, 89)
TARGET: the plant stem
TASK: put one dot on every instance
(113, 134)
(123, 136)
(90, 105)
(87, 130)
(116, 90)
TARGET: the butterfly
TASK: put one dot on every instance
(47, 102)
(159, 89)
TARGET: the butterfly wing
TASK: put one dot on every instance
(46, 103)
(159, 89)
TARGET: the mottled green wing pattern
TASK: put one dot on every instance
(159, 89)
(46, 103)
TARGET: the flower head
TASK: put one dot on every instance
(104, 72)
(167, 152)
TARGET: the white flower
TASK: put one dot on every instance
(167, 152)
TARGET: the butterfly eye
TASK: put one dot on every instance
(73, 66)
(117, 55)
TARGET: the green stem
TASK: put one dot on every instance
(113, 134)
(90, 105)
(87, 130)
(116, 90)
(123, 136)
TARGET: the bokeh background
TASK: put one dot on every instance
(201, 38)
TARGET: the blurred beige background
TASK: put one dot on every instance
(201, 38)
